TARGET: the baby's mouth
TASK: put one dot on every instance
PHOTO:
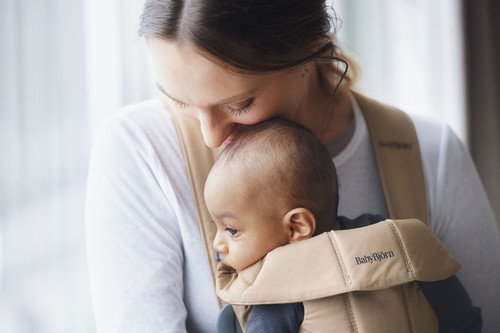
(220, 258)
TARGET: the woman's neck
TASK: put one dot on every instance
(331, 118)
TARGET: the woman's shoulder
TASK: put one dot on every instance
(429, 129)
(145, 115)
(428, 126)
(147, 123)
(436, 138)
(138, 133)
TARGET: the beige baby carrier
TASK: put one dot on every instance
(361, 280)
(358, 280)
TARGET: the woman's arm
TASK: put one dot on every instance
(134, 242)
(461, 217)
(148, 267)
(453, 306)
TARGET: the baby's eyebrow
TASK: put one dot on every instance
(227, 215)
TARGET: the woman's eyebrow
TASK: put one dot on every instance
(166, 94)
(230, 100)
(237, 98)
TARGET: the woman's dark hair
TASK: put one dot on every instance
(248, 35)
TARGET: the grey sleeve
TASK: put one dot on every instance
(462, 218)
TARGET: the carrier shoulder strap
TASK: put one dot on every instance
(396, 150)
(199, 160)
(399, 162)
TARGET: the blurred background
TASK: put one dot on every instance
(65, 65)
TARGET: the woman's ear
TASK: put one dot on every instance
(301, 223)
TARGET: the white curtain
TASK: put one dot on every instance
(119, 69)
(44, 145)
(67, 64)
(410, 53)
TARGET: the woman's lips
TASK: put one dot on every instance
(232, 135)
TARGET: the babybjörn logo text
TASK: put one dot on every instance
(395, 144)
(374, 257)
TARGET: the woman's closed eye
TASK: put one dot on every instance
(233, 110)
(238, 111)
(178, 103)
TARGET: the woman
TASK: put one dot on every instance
(230, 64)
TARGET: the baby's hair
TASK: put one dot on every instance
(287, 162)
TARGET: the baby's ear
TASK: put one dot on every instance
(301, 223)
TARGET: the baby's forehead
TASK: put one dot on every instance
(244, 161)
(234, 172)
(223, 174)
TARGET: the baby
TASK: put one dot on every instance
(285, 193)
(274, 186)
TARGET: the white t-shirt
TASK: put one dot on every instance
(148, 267)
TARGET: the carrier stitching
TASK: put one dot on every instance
(395, 230)
(348, 307)
(281, 300)
(347, 277)
(407, 309)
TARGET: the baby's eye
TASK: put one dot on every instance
(232, 231)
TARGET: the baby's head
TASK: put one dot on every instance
(274, 184)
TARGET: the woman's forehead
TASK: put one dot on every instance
(188, 76)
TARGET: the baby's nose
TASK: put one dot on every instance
(219, 244)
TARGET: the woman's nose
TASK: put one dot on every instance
(212, 128)
(219, 244)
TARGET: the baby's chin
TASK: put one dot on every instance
(240, 269)
(237, 268)
(222, 260)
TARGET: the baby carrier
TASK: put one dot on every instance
(357, 280)
(415, 254)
